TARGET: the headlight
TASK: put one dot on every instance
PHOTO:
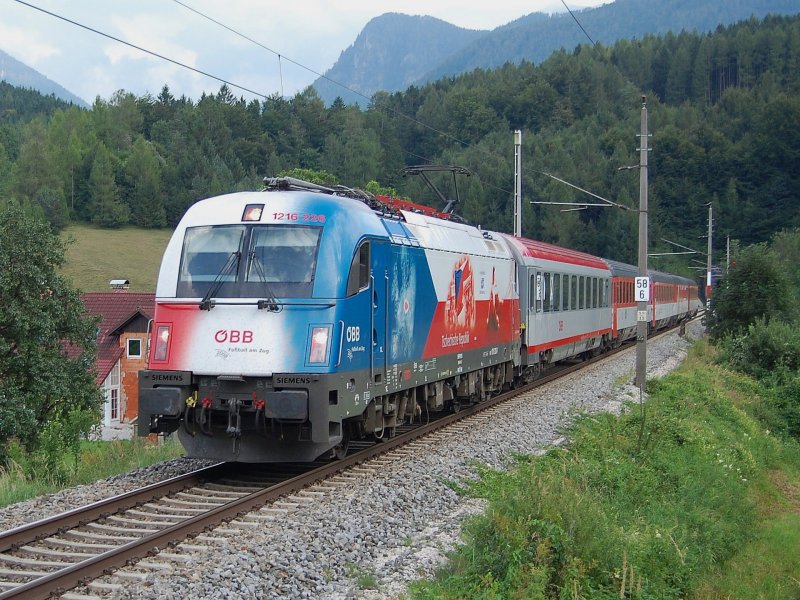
(162, 342)
(320, 339)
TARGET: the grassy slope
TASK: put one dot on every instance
(707, 508)
(96, 256)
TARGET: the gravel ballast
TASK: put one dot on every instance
(389, 527)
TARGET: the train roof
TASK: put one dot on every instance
(621, 269)
(544, 251)
(670, 278)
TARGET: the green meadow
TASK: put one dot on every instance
(95, 256)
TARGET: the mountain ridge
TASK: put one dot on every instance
(18, 74)
(532, 37)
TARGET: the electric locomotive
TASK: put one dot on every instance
(293, 320)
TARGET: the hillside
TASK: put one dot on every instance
(96, 256)
(535, 36)
(21, 75)
(392, 53)
(20, 105)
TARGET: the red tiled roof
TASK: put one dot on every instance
(115, 309)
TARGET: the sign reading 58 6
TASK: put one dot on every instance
(642, 289)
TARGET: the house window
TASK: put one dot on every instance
(111, 389)
(114, 399)
(134, 348)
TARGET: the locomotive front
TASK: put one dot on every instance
(256, 293)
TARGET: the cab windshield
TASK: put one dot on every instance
(249, 261)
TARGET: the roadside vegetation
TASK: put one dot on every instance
(706, 505)
(25, 475)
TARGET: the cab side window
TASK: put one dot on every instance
(359, 270)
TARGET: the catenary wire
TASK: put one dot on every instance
(341, 85)
(145, 50)
(321, 75)
(569, 10)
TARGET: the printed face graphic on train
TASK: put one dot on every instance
(460, 305)
(495, 306)
(403, 294)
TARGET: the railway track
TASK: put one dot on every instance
(50, 557)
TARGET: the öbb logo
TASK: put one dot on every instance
(234, 336)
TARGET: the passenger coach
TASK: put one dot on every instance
(565, 295)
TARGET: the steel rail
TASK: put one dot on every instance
(31, 532)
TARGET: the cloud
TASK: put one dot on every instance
(26, 48)
(154, 33)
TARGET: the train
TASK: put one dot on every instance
(292, 321)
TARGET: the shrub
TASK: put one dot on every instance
(780, 408)
(767, 349)
(770, 353)
(755, 287)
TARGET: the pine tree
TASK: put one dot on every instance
(107, 210)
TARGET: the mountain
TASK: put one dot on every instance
(390, 53)
(20, 75)
(395, 51)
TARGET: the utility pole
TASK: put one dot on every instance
(518, 183)
(708, 270)
(643, 288)
(728, 260)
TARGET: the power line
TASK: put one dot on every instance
(572, 185)
(325, 77)
(145, 50)
(225, 81)
(578, 22)
(341, 85)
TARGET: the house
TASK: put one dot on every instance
(121, 353)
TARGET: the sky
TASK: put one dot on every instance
(291, 41)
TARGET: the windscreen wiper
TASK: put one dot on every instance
(270, 302)
(207, 303)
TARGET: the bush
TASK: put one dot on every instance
(768, 350)
(770, 353)
(779, 410)
(756, 287)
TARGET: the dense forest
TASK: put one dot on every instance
(724, 116)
